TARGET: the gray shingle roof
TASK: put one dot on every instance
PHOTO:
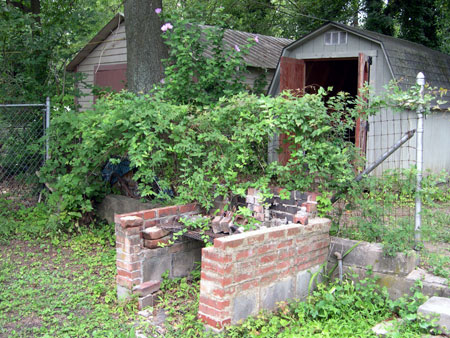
(264, 54)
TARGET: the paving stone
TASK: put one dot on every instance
(439, 307)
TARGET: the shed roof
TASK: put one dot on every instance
(405, 58)
(264, 54)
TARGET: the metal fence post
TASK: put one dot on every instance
(420, 80)
(47, 125)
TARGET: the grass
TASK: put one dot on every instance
(62, 290)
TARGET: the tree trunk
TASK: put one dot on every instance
(145, 46)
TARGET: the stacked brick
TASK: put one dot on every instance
(138, 233)
(245, 273)
(296, 209)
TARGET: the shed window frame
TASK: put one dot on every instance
(333, 38)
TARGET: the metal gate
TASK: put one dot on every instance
(23, 149)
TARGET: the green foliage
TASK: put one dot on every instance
(377, 198)
(199, 152)
(200, 68)
(64, 289)
(37, 41)
(200, 224)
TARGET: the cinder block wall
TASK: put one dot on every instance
(137, 264)
(245, 273)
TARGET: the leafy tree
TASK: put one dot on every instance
(377, 20)
(38, 37)
(417, 20)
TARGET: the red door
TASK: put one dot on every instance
(292, 77)
(361, 125)
(111, 76)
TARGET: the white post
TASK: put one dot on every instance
(420, 80)
(47, 125)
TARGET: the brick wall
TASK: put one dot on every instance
(139, 258)
(245, 273)
(295, 209)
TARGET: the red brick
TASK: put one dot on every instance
(222, 281)
(310, 206)
(255, 239)
(147, 288)
(219, 292)
(268, 258)
(304, 249)
(312, 196)
(132, 240)
(128, 266)
(148, 214)
(131, 221)
(167, 211)
(242, 277)
(120, 239)
(117, 217)
(157, 243)
(258, 209)
(266, 248)
(128, 274)
(247, 285)
(216, 268)
(286, 254)
(124, 281)
(191, 207)
(283, 265)
(252, 192)
(320, 245)
(277, 233)
(155, 233)
(266, 270)
(293, 231)
(216, 304)
(216, 323)
(259, 216)
(269, 279)
(301, 219)
(211, 311)
(151, 223)
(127, 257)
(284, 244)
(222, 243)
(276, 190)
(244, 254)
(214, 256)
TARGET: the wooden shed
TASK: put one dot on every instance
(104, 59)
(345, 58)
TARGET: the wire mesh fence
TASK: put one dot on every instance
(385, 199)
(22, 150)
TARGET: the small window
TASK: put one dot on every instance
(335, 38)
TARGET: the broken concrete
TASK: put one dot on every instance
(437, 307)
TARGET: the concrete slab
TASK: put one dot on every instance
(438, 307)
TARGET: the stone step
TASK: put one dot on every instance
(438, 307)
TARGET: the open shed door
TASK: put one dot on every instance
(292, 77)
(361, 125)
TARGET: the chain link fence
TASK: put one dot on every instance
(23, 149)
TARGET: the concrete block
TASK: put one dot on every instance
(372, 254)
(278, 292)
(123, 293)
(117, 204)
(302, 282)
(154, 267)
(438, 307)
(146, 301)
(183, 262)
(244, 305)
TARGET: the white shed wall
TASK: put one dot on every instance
(112, 51)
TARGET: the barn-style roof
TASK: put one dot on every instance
(405, 58)
(264, 54)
